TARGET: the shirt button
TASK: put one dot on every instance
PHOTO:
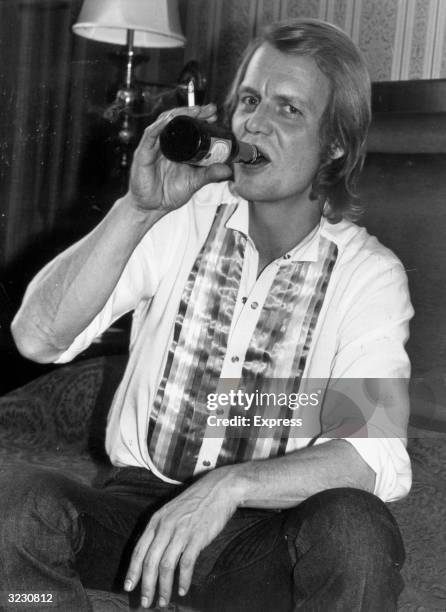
(287, 256)
(206, 463)
(254, 305)
(244, 300)
(235, 359)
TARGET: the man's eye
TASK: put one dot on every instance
(248, 100)
(291, 110)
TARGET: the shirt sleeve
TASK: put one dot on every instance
(138, 282)
(151, 262)
(367, 402)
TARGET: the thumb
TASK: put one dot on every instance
(212, 174)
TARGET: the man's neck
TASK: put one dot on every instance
(276, 228)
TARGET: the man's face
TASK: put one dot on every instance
(281, 100)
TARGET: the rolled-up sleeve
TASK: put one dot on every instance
(138, 282)
(367, 402)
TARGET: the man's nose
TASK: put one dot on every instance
(259, 120)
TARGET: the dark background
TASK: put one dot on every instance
(60, 160)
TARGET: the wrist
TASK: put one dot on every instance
(238, 483)
(137, 216)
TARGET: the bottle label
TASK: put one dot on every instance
(219, 151)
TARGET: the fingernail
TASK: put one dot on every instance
(144, 602)
(128, 585)
(162, 602)
(181, 591)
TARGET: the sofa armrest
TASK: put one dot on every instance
(65, 408)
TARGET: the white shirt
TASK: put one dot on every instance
(360, 333)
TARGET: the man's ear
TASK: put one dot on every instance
(336, 151)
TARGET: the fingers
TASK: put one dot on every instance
(169, 563)
(167, 566)
(211, 174)
(217, 172)
(155, 559)
(151, 566)
(187, 565)
(136, 563)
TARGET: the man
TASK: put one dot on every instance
(250, 281)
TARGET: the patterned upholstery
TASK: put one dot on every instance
(422, 519)
(58, 421)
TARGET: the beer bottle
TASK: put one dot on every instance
(193, 141)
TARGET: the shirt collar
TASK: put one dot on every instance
(308, 248)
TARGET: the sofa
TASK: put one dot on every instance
(57, 421)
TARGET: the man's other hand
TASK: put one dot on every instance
(178, 532)
(157, 183)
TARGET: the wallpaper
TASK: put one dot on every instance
(401, 39)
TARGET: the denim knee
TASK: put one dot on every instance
(34, 510)
(352, 525)
(346, 551)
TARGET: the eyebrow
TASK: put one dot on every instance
(247, 89)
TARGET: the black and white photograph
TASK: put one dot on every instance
(222, 305)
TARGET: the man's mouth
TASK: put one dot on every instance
(260, 160)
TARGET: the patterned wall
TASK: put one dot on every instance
(401, 39)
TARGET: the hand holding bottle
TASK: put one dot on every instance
(157, 183)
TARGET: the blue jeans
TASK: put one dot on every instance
(339, 550)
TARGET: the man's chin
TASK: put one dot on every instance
(247, 191)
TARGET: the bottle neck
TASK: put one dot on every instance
(245, 152)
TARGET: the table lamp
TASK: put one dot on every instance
(133, 23)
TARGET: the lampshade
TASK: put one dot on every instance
(156, 23)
